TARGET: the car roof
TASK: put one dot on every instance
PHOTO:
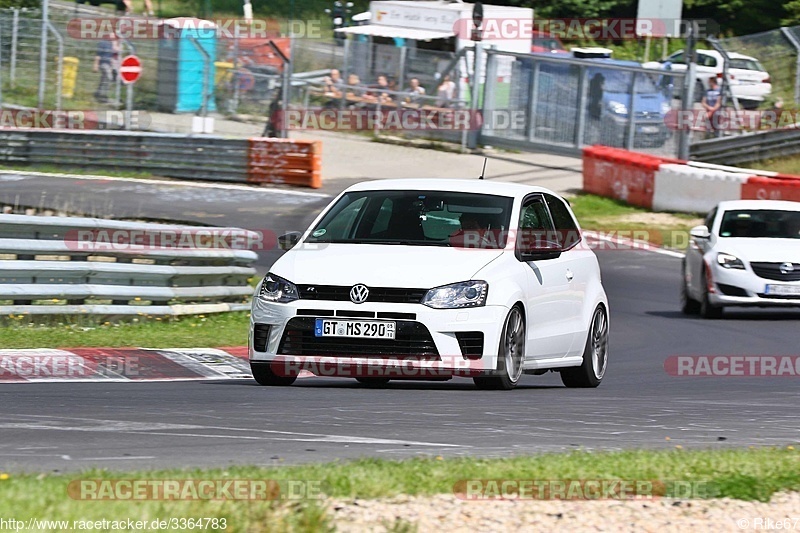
(732, 55)
(451, 185)
(782, 205)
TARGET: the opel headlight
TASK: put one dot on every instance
(730, 261)
(277, 289)
(457, 295)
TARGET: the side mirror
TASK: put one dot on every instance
(289, 240)
(540, 251)
(700, 232)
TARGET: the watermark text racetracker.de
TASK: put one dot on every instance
(593, 29)
(137, 28)
(115, 240)
(195, 489)
(72, 119)
(733, 365)
(581, 489)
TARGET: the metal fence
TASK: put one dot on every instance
(62, 265)
(541, 102)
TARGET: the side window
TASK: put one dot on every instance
(566, 229)
(677, 58)
(534, 216)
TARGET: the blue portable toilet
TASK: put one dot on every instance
(181, 66)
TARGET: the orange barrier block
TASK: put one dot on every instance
(285, 161)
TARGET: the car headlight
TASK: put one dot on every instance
(277, 289)
(618, 108)
(729, 261)
(665, 108)
(457, 295)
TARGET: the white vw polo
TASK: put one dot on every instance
(746, 254)
(430, 279)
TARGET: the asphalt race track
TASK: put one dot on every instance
(67, 426)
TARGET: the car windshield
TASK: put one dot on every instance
(746, 64)
(619, 81)
(761, 223)
(417, 218)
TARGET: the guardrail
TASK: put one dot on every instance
(171, 155)
(63, 265)
(749, 147)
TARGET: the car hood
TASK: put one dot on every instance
(761, 250)
(645, 102)
(377, 265)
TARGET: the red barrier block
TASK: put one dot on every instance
(620, 174)
(778, 188)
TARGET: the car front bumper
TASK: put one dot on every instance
(271, 324)
(744, 288)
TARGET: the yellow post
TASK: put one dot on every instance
(69, 76)
(224, 72)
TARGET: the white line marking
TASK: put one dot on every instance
(116, 458)
(145, 428)
(223, 186)
(634, 244)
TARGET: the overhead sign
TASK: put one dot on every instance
(660, 18)
(130, 69)
(422, 17)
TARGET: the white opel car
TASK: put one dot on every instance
(430, 279)
(746, 254)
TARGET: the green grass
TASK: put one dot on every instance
(213, 330)
(51, 169)
(747, 474)
(784, 165)
(610, 215)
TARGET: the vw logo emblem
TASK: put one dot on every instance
(786, 268)
(359, 293)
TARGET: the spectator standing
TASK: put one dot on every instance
(596, 87)
(106, 62)
(445, 92)
(712, 102)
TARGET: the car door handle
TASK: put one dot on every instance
(570, 275)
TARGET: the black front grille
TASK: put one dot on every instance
(773, 271)
(412, 340)
(260, 337)
(340, 293)
(779, 296)
(471, 343)
(731, 290)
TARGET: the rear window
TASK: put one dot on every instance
(747, 64)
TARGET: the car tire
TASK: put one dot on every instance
(511, 354)
(264, 375)
(595, 355)
(373, 382)
(707, 309)
(689, 306)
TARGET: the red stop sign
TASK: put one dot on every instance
(130, 69)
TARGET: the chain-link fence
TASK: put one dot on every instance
(563, 103)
